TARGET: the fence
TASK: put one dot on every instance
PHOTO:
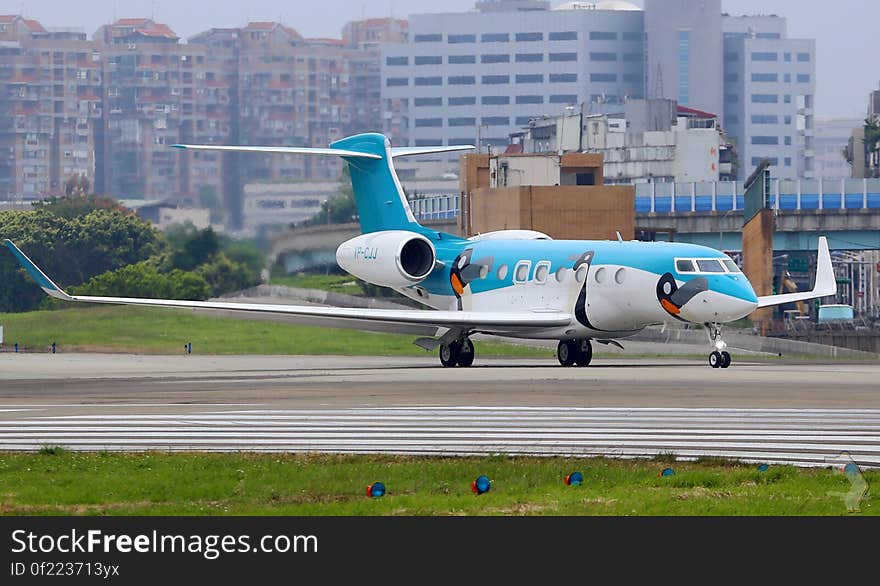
(713, 196)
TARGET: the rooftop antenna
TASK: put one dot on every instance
(658, 85)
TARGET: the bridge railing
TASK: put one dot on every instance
(436, 207)
(712, 196)
(727, 196)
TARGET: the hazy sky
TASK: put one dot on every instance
(844, 29)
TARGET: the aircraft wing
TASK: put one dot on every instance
(826, 283)
(355, 318)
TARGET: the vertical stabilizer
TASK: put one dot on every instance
(380, 200)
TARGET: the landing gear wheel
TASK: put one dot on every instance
(720, 358)
(585, 353)
(449, 354)
(466, 353)
(567, 352)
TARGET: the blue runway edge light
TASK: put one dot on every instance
(667, 472)
(481, 485)
(574, 479)
(376, 490)
(851, 469)
(763, 467)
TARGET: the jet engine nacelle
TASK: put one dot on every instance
(393, 258)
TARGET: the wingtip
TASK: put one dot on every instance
(178, 146)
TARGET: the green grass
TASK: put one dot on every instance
(335, 283)
(61, 482)
(165, 331)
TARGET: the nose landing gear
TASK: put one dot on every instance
(720, 357)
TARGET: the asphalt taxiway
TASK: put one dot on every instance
(760, 410)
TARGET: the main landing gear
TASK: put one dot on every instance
(457, 353)
(720, 357)
(571, 352)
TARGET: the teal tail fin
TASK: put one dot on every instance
(380, 200)
(378, 194)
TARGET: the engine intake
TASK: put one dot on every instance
(417, 259)
(393, 258)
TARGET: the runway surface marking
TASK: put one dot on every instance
(810, 437)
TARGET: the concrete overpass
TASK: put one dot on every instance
(300, 249)
(852, 229)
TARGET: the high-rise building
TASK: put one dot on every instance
(683, 39)
(831, 139)
(154, 90)
(50, 107)
(476, 77)
(769, 89)
(364, 39)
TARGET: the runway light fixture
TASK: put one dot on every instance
(481, 485)
(666, 472)
(376, 490)
(763, 467)
(851, 469)
(574, 479)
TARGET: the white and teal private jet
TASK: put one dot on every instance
(511, 283)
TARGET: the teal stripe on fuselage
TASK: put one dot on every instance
(654, 257)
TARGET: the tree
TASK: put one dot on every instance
(226, 276)
(77, 185)
(339, 208)
(197, 248)
(246, 253)
(73, 206)
(70, 250)
(145, 281)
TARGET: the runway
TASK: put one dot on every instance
(805, 413)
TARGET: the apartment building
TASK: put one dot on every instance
(156, 93)
(363, 40)
(50, 107)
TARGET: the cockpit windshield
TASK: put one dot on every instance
(731, 266)
(709, 265)
(706, 265)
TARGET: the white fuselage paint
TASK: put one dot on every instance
(615, 309)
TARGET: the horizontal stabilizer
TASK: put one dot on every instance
(826, 283)
(277, 150)
(430, 150)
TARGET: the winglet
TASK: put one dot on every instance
(45, 283)
(826, 282)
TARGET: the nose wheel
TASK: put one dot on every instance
(574, 352)
(720, 357)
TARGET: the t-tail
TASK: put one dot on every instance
(381, 202)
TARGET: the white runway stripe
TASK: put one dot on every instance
(805, 437)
